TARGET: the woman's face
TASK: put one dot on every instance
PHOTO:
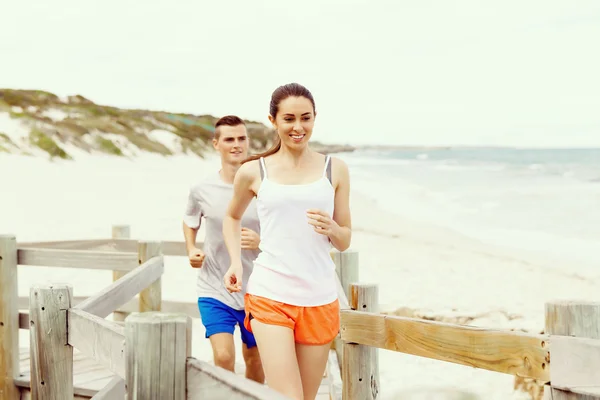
(294, 121)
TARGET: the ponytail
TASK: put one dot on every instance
(274, 149)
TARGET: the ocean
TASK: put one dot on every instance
(540, 201)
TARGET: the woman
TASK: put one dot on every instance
(302, 201)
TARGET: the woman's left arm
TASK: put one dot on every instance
(338, 228)
(341, 230)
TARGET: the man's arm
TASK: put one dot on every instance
(191, 225)
(190, 235)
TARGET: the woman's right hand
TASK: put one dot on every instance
(233, 279)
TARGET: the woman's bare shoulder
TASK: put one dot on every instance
(338, 165)
(249, 169)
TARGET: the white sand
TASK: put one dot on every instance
(415, 265)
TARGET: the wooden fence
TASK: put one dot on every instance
(566, 358)
(149, 352)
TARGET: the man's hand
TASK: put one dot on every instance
(196, 257)
(250, 239)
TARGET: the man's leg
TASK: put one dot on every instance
(223, 350)
(254, 368)
(220, 325)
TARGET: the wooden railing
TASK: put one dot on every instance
(566, 358)
(58, 323)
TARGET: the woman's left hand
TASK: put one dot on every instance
(250, 239)
(321, 222)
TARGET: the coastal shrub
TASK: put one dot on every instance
(142, 142)
(107, 146)
(71, 126)
(195, 146)
(6, 143)
(45, 142)
(25, 98)
(103, 124)
(92, 109)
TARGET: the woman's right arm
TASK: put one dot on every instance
(242, 196)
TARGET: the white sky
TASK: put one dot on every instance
(472, 72)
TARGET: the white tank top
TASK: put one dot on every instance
(294, 266)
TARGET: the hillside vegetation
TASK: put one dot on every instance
(37, 122)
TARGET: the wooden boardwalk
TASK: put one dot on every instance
(89, 377)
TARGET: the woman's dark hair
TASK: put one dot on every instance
(280, 94)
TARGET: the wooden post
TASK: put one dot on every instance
(120, 232)
(9, 318)
(51, 357)
(577, 319)
(158, 345)
(346, 268)
(360, 375)
(151, 297)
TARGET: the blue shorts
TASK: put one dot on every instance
(218, 317)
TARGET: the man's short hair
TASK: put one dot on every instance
(228, 120)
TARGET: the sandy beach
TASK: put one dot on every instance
(429, 268)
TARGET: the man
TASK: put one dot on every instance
(220, 310)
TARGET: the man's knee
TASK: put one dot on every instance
(225, 358)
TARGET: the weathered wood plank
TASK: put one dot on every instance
(89, 377)
(178, 307)
(120, 232)
(575, 362)
(99, 339)
(578, 319)
(572, 318)
(9, 318)
(206, 381)
(361, 367)
(26, 395)
(51, 357)
(591, 393)
(343, 300)
(514, 353)
(118, 293)
(88, 244)
(168, 306)
(168, 247)
(151, 297)
(159, 373)
(114, 390)
(347, 271)
(88, 259)
(334, 376)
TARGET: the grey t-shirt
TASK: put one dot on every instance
(209, 199)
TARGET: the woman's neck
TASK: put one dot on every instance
(296, 157)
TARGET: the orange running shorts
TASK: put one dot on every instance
(311, 325)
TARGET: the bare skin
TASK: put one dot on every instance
(224, 356)
(292, 369)
(232, 146)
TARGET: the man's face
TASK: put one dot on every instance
(232, 144)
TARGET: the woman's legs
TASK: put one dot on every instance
(278, 355)
(312, 360)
